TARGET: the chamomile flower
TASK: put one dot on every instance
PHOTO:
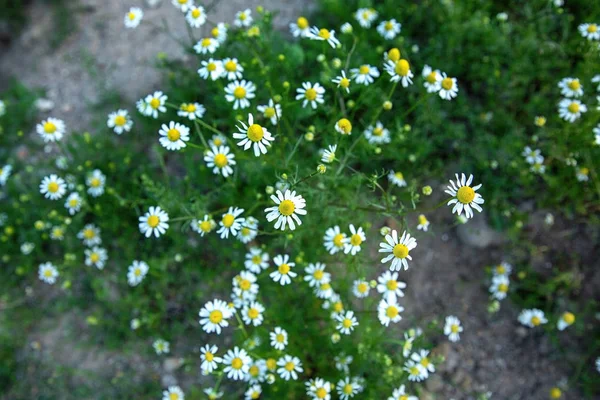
(154, 222)
(133, 18)
(334, 240)
(409, 338)
(48, 273)
(256, 260)
(389, 29)
(51, 129)
(96, 257)
(590, 31)
(239, 93)
(249, 230)
(219, 32)
(90, 234)
(253, 392)
(154, 103)
(310, 94)
(499, 287)
(196, 16)
(346, 322)
(174, 136)
(214, 316)
(583, 174)
(232, 69)
(316, 275)
(119, 121)
(284, 273)
(53, 187)
(396, 178)
(570, 110)
(5, 173)
(288, 206)
(211, 68)
(328, 155)
(161, 346)
(532, 156)
(95, 182)
(449, 88)
(245, 286)
(324, 290)
(566, 319)
(203, 226)
(318, 389)
(191, 111)
(183, 5)
(26, 248)
(173, 393)
(389, 286)
(220, 160)
(217, 140)
(324, 34)
(400, 394)
(279, 338)
(570, 87)
(416, 372)
(73, 203)
(252, 314)
(465, 197)
(231, 222)
(206, 45)
(137, 272)
(347, 388)
(365, 16)
(365, 74)
(422, 358)
(532, 317)
(360, 288)
(423, 223)
(271, 111)
(452, 328)
(253, 135)
(258, 368)
(503, 268)
(243, 18)
(213, 394)
(237, 362)
(300, 28)
(289, 367)
(388, 311)
(57, 233)
(346, 28)
(342, 81)
(399, 71)
(399, 249)
(432, 79)
(377, 134)
(343, 126)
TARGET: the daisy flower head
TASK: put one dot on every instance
(154, 222)
(57, 233)
(51, 130)
(389, 286)
(220, 160)
(365, 16)
(253, 135)
(173, 393)
(570, 110)
(191, 111)
(570, 87)
(161, 346)
(532, 317)
(154, 103)
(96, 257)
(214, 316)
(399, 71)
(230, 222)
(423, 223)
(206, 45)
(328, 155)
(133, 18)
(232, 69)
(219, 32)
(243, 18)
(90, 234)
(465, 197)
(237, 362)
(53, 187)
(399, 249)
(346, 322)
(213, 394)
(360, 288)
(566, 319)
(196, 16)
(137, 272)
(253, 392)
(598, 364)
(499, 287)
(532, 156)
(5, 173)
(346, 28)
(449, 88)
(318, 389)
(209, 358)
(217, 140)
(377, 134)
(432, 79)
(271, 111)
(324, 290)
(347, 388)
(173, 136)
(183, 5)
(300, 28)
(239, 93)
(583, 174)
(249, 230)
(203, 226)
(334, 240)
(316, 275)
(284, 273)
(388, 311)
(252, 314)
(48, 273)
(289, 367)
(211, 68)
(119, 121)
(279, 338)
(342, 81)
(365, 74)
(245, 286)
(343, 126)
(409, 338)
(352, 244)
(452, 328)
(503, 268)
(73, 203)
(310, 94)
(95, 182)
(256, 260)
(287, 207)
(324, 34)
(389, 29)
(400, 394)
(589, 31)
(396, 178)
(416, 372)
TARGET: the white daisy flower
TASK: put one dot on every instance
(328, 155)
(73, 203)
(324, 34)
(239, 93)
(310, 93)
(503, 268)
(203, 226)
(396, 178)
(196, 16)
(252, 314)
(342, 81)
(422, 358)
(173, 136)
(5, 173)
(346, 28)
(191, 111)
(499, 287)
(136, 272)
(245, 286)
(90, 234)
(206, 45)
(388, 311)
(253, 135)
(256, 260)
(532, 317)
(423, 223)
(347, 388)
(219, 32)
(217, 140)
(57, 233)
(209, 358)
(316, 275)
(343, 126)
(389, 29)
(570, 110)
(583, 174)
(566, 319)
(119, 121)
(300, 28)
(284, 273)
(95, 182)
(400, 394)
(399, 71)
(449, 88)
(213, 394)
(532, 156)
(96, 257)
(214, 316)
(390, 286)
(26, 248)
(48, 273)
(51, 130)
(53, 187)
(452, 328)
(416, 372)
(324, 290)
(589, 31)
(154, 103)
(288, 207)
(211, 68)
(183, 5)
(243, 18)
(399, 249)
(365, 16)
(360, 288)
(253, 392)
(133, 18)
(154, 222)
(334, 240)
(346, 322)
(289, 367)
(432, 79)
(232, 69)
(408, 343)
(279, 338)
(249, 230)
(173, 393)
(271, 111)
(230, 223)
(220, 160)
(365, 75)
(161, 346)
(342, 363)
(465, 196)
(377, 134)
(318, 389)
(570, 87)
(237, 362)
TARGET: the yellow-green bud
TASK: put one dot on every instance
(427, 190)
(321, 168)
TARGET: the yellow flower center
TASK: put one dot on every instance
(131, 16)
(392, 284)
(592, 28)
(53, 187)
(325, 287)
(574, 84)
(348, 389)
(245, 284)
(173, 135)
(535, 321)
(253, 313)
(454, 328)
(287, 207)
(422, 220)
(73, 203)
(338, 240)
(95, 182)
(389, 26)
(425, 362)
(237, 363)
(302, 23)
(196, 13)
(399, 176)
(239, 92)
(345, 126)
(49, 127)
(321, 393)
(569, 318)
(231, 66)
(48, 273)
(289, 366)
(190, 108)
(205, 42)
(271, 363)
(153, 221)
(220, 160)
(137, 272)
(318, 274)
(391, 312)
(394, 54)
(378, 131)
(255, 133)
(209, 356)
(324, 33)
(503, 287)
(310, 94)
(414, 370)
(205, 226)
(94, 257)
(211, 67)
(89, 233)
(183, 1)
(362, 287)
(573, 108)
(120, 120)
(432, 77)
(215, 31)
(243, 17)
(228, 220)
(555, 393)
(403, 397)
(400, 251)
(465, 194)
(447, 83)
(402, 67)
(154, 103)
(257, 259)
(355, 240)
(217, 141)
(284, 269)
(280, 338)
(338, 307)
(254, 370)
(215, 316)
(57, 232)
(363, 70)
(344, 82)
(245, 231)
(269, 112)
(500, 270)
